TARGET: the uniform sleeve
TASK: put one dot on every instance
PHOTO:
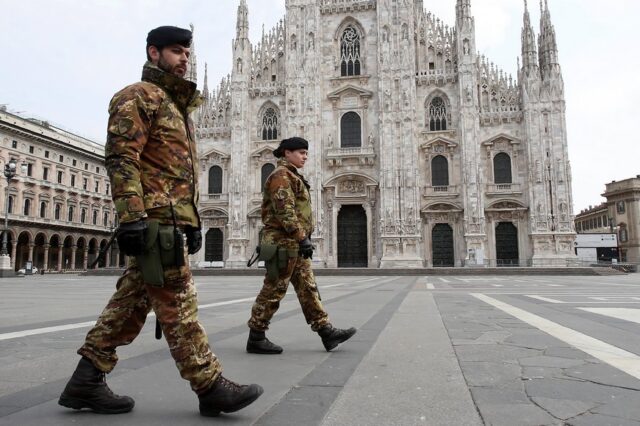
(284, 202)
(130, 114)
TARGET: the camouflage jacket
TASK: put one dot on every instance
(150, 153)
(286, 207)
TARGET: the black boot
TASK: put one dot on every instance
(88, 388)
(332, 337)
(226, 396)
(259, 344)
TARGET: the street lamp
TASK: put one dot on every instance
(9, 173)
(614, 230)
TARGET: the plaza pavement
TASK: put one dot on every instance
(430, 350)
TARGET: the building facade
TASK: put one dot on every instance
(422, 152)
(623, 204)
(59, 210)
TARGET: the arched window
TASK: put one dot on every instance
(57, 211)
(502, 168)
(95, 217)
(27, 207)
(10, 206)
(439, 171)
(269, 125)
(43, 209)
(437, 115)
(215, 180)
(624, 235)
(350, 131)
(70, 216)
(105, 219)
(350, 52)
(267, 169)
(83, 215)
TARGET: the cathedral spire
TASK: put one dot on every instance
(547, 45)
(192, 66)
(529, 51)
(205, 87)
(463, 11)
(242, 23)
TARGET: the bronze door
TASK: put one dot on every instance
(442, 245)
(352, 237)
(213, 250)
(507, 244)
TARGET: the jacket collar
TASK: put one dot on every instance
(283, 162)
(183, 92)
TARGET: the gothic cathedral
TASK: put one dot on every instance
(422, 153)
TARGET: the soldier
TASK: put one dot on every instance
(150, 156)
(287, 251)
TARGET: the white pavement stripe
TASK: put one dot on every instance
(544, 299)
(45, 330)
(228, 302)
(430, 286)
(627, 314)
(7, 336)
(612, 355)
(444, 280)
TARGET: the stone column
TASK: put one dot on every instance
(85, 258)
(367, 210)
(45, 266)
(60, 257)
(14, 252)
(72, 264)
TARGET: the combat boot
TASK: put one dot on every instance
(332, 337)
(226, 396)
(88, 388)
(259, 344)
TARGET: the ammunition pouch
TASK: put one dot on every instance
(164, 248)
(275, 258)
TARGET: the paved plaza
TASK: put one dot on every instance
(430, 350)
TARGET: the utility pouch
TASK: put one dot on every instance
(171, 244)
(268, 253)
(150, 263)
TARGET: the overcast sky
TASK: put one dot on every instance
(64, 59)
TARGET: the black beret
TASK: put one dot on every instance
(291, 144)
(167, 35)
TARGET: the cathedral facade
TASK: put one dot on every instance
(422, 152)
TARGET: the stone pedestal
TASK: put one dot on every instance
(5, 267)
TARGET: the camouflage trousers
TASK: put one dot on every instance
(299, 272)
(176, 307)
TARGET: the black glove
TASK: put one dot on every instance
(306, 248)
(131, 237)
(194, 240)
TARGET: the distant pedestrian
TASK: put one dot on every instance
(152, 165)
(286, 248)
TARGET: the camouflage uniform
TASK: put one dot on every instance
(288, 219)
(151, 160)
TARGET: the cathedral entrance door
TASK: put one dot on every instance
(442, 245)
(213, 246)
(506, 244)
(352, 237)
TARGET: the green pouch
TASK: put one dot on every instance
(166, 244)
(150, 263)
(268, 253)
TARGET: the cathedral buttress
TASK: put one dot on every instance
(469, 134)
(238, 233)
(399, 204)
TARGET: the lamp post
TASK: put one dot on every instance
(614, 230)
(9, 173)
